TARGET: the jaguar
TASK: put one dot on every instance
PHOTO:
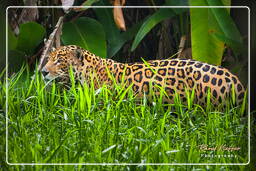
(174, 76)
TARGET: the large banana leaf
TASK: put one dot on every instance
(205, 46)
(210, 29)
(231, 36)
(86, 33)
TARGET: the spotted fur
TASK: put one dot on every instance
(173, 75)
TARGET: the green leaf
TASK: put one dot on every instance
(225, 22)
(236, 46)
(88, 3)
(225, 3)
(205, 46)
(31, 34)
(86, 33)
(153, 20)
(12, 40)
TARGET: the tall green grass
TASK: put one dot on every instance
(52, 124)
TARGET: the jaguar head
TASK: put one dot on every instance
(59, 63)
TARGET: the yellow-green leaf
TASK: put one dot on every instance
(205, 46)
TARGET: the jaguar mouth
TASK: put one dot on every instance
(60, 79)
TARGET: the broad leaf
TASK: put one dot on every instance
(237, 47)
(151, 21)
(86, 33)
(205, 46)
(31, 34)
(226, 23)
